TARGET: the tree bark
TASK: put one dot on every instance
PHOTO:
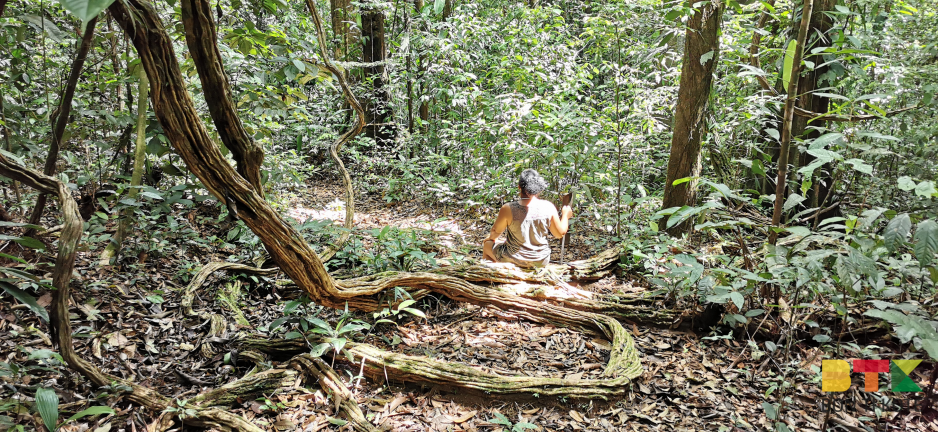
(342, 17)
(64, 111)
(701, 53)
(817, 33)
(202, 41)
(378, 111)
(785, 139)
(176, 112)
(140, 154)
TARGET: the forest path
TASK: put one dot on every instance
(133, 326)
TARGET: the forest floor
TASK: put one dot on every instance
(132, 325)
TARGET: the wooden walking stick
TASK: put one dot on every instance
(565, 200)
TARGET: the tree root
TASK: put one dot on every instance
(60, 327)
(332, 384)
(248, 388)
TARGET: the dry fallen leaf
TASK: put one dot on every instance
(463, 418)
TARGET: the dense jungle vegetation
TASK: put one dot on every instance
(267, 215)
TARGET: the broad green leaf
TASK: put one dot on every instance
(415, 312)
(26, 299)
(906, 183)
(896, 231)
(55, 33)
(799, 231)
(931, 347)
(758, 168)
(299, 65)
(706, 57)
(85, 9)
(789, 61)
(792, 201)
(860, 165)
(95, 410)
(47, 403)
(926, 242)
(25, 241)
(320, 349)
(738, 299)
(438, 6)
(770, 411)
(500, 419)
(925, 189)
(825, 140)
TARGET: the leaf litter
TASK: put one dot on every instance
(689, 384)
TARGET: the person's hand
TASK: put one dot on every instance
(566, 212)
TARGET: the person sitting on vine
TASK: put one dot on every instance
(528, 221)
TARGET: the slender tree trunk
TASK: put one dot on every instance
(410, 79)
(64, 111)
(701, 53)
(819, 26)
(6, 137)
(787, 119)
(374, 52)
(140, 154)
(424, 110)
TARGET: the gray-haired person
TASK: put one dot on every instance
(528, 221)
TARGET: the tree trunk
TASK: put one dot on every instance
(201, 39)
(785, 139)
(701, 53)
(182, 124)
(342, 17)
(817, 33)
(140, 154)
(64, 111)
(378, 111)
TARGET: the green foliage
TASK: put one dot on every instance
(500, 419)
(25, 298)
(47, 403)
(85, 9)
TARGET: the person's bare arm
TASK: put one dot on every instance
(560, 223)
(501, 223)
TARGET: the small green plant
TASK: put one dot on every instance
(47, 403)
(500, 419)
(271, 405)
(181, 411)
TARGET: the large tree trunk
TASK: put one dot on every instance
(342, 19)
(378, 110)
(701, 53)
(64, 111)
